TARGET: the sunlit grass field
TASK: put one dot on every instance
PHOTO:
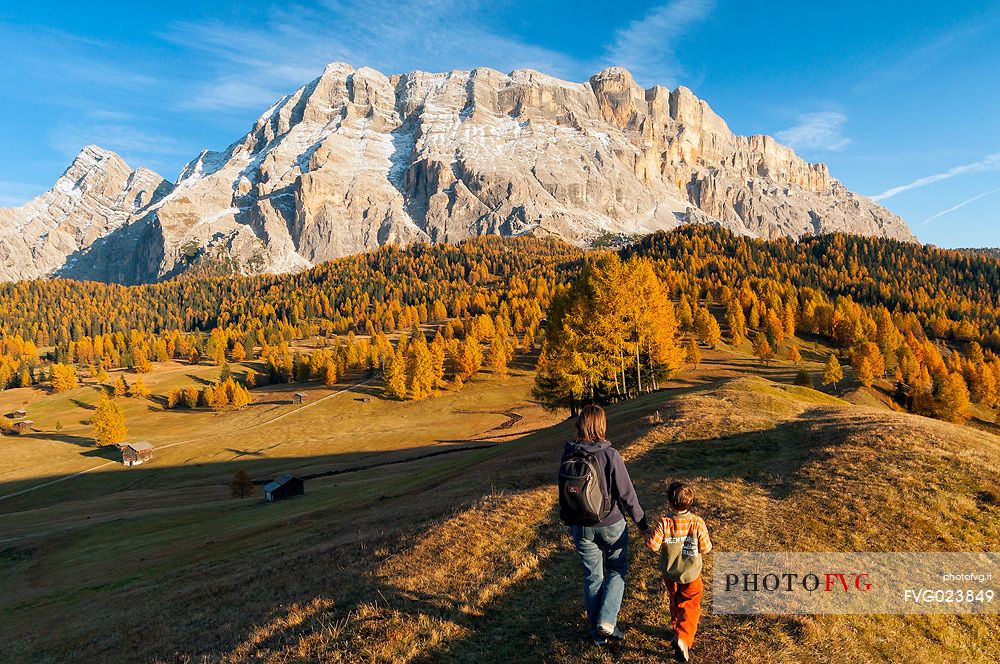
(428, 531)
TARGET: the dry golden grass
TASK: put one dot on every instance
(777, 468)
(467, 562)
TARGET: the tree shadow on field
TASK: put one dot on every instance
(239, 598)
(109, 452)
(199, 379)
(81, 441)
(369, 390)
(244, 453)
(523, 363)
(774, 370)
(82, 404)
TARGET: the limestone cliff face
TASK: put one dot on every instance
(356, 159)
(96, 196)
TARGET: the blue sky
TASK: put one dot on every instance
(902, 100)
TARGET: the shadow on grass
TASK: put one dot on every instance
(107, 452)
(537, 619)
(80, 441)
(243, 453)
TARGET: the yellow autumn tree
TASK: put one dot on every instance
(951, 399)
(217, 396)
(832, 371)
(63, 377)
(692, 352)
(394, 375)
(497, 357)
(794, 356)
(868, 362)
(762, 348)
(138, 389)
(191, 396)
(706, 327)
(419, 368)
(613, 331)
(239, 353)
(140, 359)
(108, 422)
(467, 357)
(241, 396)
(439, 351)
(330, 374)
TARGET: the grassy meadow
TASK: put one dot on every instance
(428, 532)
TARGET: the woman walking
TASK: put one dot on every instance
(595, 492)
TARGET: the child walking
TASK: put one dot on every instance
(682, 538)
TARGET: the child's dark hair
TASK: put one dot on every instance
(680, 495)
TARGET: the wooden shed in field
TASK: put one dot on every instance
(284, 486)
(134, 454)
(299, 397)
(23, 425)
(18, 414)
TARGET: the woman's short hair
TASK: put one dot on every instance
(592, 425)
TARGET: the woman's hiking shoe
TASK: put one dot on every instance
(598, 638)
(609, 632)
(681, 653)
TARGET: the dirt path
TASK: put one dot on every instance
(186, 441)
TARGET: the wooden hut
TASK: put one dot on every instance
(284, 486)
(18, 414)
(23, 425)
(299, 397)
(134, 454)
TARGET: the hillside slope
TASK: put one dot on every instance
(473, 566)
(356, 159)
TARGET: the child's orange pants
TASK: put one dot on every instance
(685, 608)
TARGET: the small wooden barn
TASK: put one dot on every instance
(299, 397)
(284, 486)
(18, 415)
(134, 454)
(23, 425)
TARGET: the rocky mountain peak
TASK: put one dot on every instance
(95, 197)
(355, 159)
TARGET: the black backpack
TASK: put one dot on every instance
(583, 498)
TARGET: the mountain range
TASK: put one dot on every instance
(356, 159)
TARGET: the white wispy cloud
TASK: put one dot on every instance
(817, 132)
(960, 205)
(989, 163)
(52, 57)
(648, 46)
(250, 67)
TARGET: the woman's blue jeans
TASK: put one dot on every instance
(604, 553)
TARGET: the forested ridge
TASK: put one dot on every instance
(954, 292)
(924, 316)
